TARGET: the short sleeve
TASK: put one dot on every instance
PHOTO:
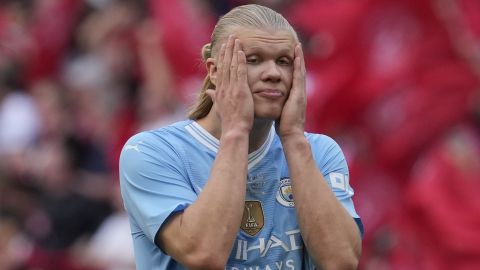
(331, 162)
(153, 181)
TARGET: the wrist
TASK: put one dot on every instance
(236, 129)
(295, 141)
(235, 136)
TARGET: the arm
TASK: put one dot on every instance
(190, 237)
(202, 236)
(156, 96)
(329, 232)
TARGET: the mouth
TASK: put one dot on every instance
(270, 93)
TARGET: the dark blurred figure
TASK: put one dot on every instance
(63, 215)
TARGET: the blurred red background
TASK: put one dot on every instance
(396, 83)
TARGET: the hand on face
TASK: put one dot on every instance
(292, 119)
(232, 97)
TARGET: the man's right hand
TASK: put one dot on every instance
(232, 98)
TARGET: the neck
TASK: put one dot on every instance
(259, 133)
(257, 137)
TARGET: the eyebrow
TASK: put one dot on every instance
(261, 49)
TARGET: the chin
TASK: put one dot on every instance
(270, 114)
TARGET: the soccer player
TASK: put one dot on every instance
(240, 184)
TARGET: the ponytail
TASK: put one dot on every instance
(204, 102)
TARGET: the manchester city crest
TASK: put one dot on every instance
(285, 194)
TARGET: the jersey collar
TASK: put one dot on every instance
(212, 143)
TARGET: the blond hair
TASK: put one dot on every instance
(251, 16)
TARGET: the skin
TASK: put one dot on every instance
(259, 77)
(269, 58)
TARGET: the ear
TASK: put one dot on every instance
(212, 70)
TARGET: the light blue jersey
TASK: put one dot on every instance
(163, 172)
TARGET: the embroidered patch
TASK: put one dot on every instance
(338, 180)
(253, 218)
(256, 184)
(285, 194)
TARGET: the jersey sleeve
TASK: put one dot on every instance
(153, 182)
(331, 162)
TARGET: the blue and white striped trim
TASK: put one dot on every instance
(256, 156)
(212, 143)
(202, 136)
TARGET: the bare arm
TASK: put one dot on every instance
(156, 96)
(329, 232)
(203, 235)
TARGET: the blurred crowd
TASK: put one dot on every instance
(396, 83)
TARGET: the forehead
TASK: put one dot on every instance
(268, 40)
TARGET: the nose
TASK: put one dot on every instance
(270, 71)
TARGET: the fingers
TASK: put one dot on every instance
(299, 69)
(227, 60)
(232, 99)
(242, 67)
(292, 119)
(221, 56)
(231, 67)
(234, 63)
(302, 58)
